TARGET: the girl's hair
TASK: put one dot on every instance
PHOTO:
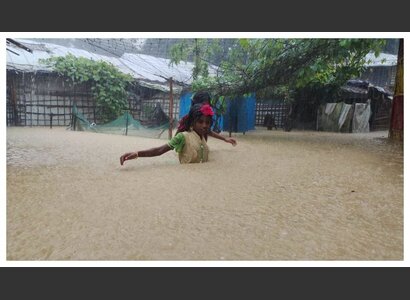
(200, 97)
(197, 111)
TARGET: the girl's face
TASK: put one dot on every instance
(201, 126)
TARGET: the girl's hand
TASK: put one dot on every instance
(231, 140)
(128, 156)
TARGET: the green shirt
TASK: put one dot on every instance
(177, 143)
(191, 147)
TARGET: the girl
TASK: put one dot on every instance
(190, 144)
(203, 97)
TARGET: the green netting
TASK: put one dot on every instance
(123, 125)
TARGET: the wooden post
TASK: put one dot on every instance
(74, 122)
(73, 117)
(126, 124)
(171, 108)
(14, 103)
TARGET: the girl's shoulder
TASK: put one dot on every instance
(177, 142)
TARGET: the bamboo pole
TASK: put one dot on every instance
(126, 124)
(171, 108)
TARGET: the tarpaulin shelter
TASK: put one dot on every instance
(240, 114)
(35, 92)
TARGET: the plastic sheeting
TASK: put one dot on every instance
(329, 117)
(240, 114)
(342, 117)
(361, 117)
(184, 104)
(344, 114)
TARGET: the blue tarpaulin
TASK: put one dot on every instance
(240, 114)
(184, 104)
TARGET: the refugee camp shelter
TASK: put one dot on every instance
(380, 71)
(38, 96)
(363, 107)
(364, 103)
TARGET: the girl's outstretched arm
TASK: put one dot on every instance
(220, 137)
(157, 151)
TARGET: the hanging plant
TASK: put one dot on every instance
(108, 84)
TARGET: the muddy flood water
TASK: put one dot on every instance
(299, 195)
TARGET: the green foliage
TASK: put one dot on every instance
(196, 50)
(219, 104)
(204, 83)
(278, 66)
(282, 92)
(109, 85)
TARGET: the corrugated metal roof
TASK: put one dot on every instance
(157, 69)
(151, 71)
(383, 59)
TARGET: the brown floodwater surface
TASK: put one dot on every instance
(299, 195)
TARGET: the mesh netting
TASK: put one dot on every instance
(123, 125)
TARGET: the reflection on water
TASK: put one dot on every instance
(276, 196)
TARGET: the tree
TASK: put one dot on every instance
(275, 65)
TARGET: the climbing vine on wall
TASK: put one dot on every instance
(108, 84)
